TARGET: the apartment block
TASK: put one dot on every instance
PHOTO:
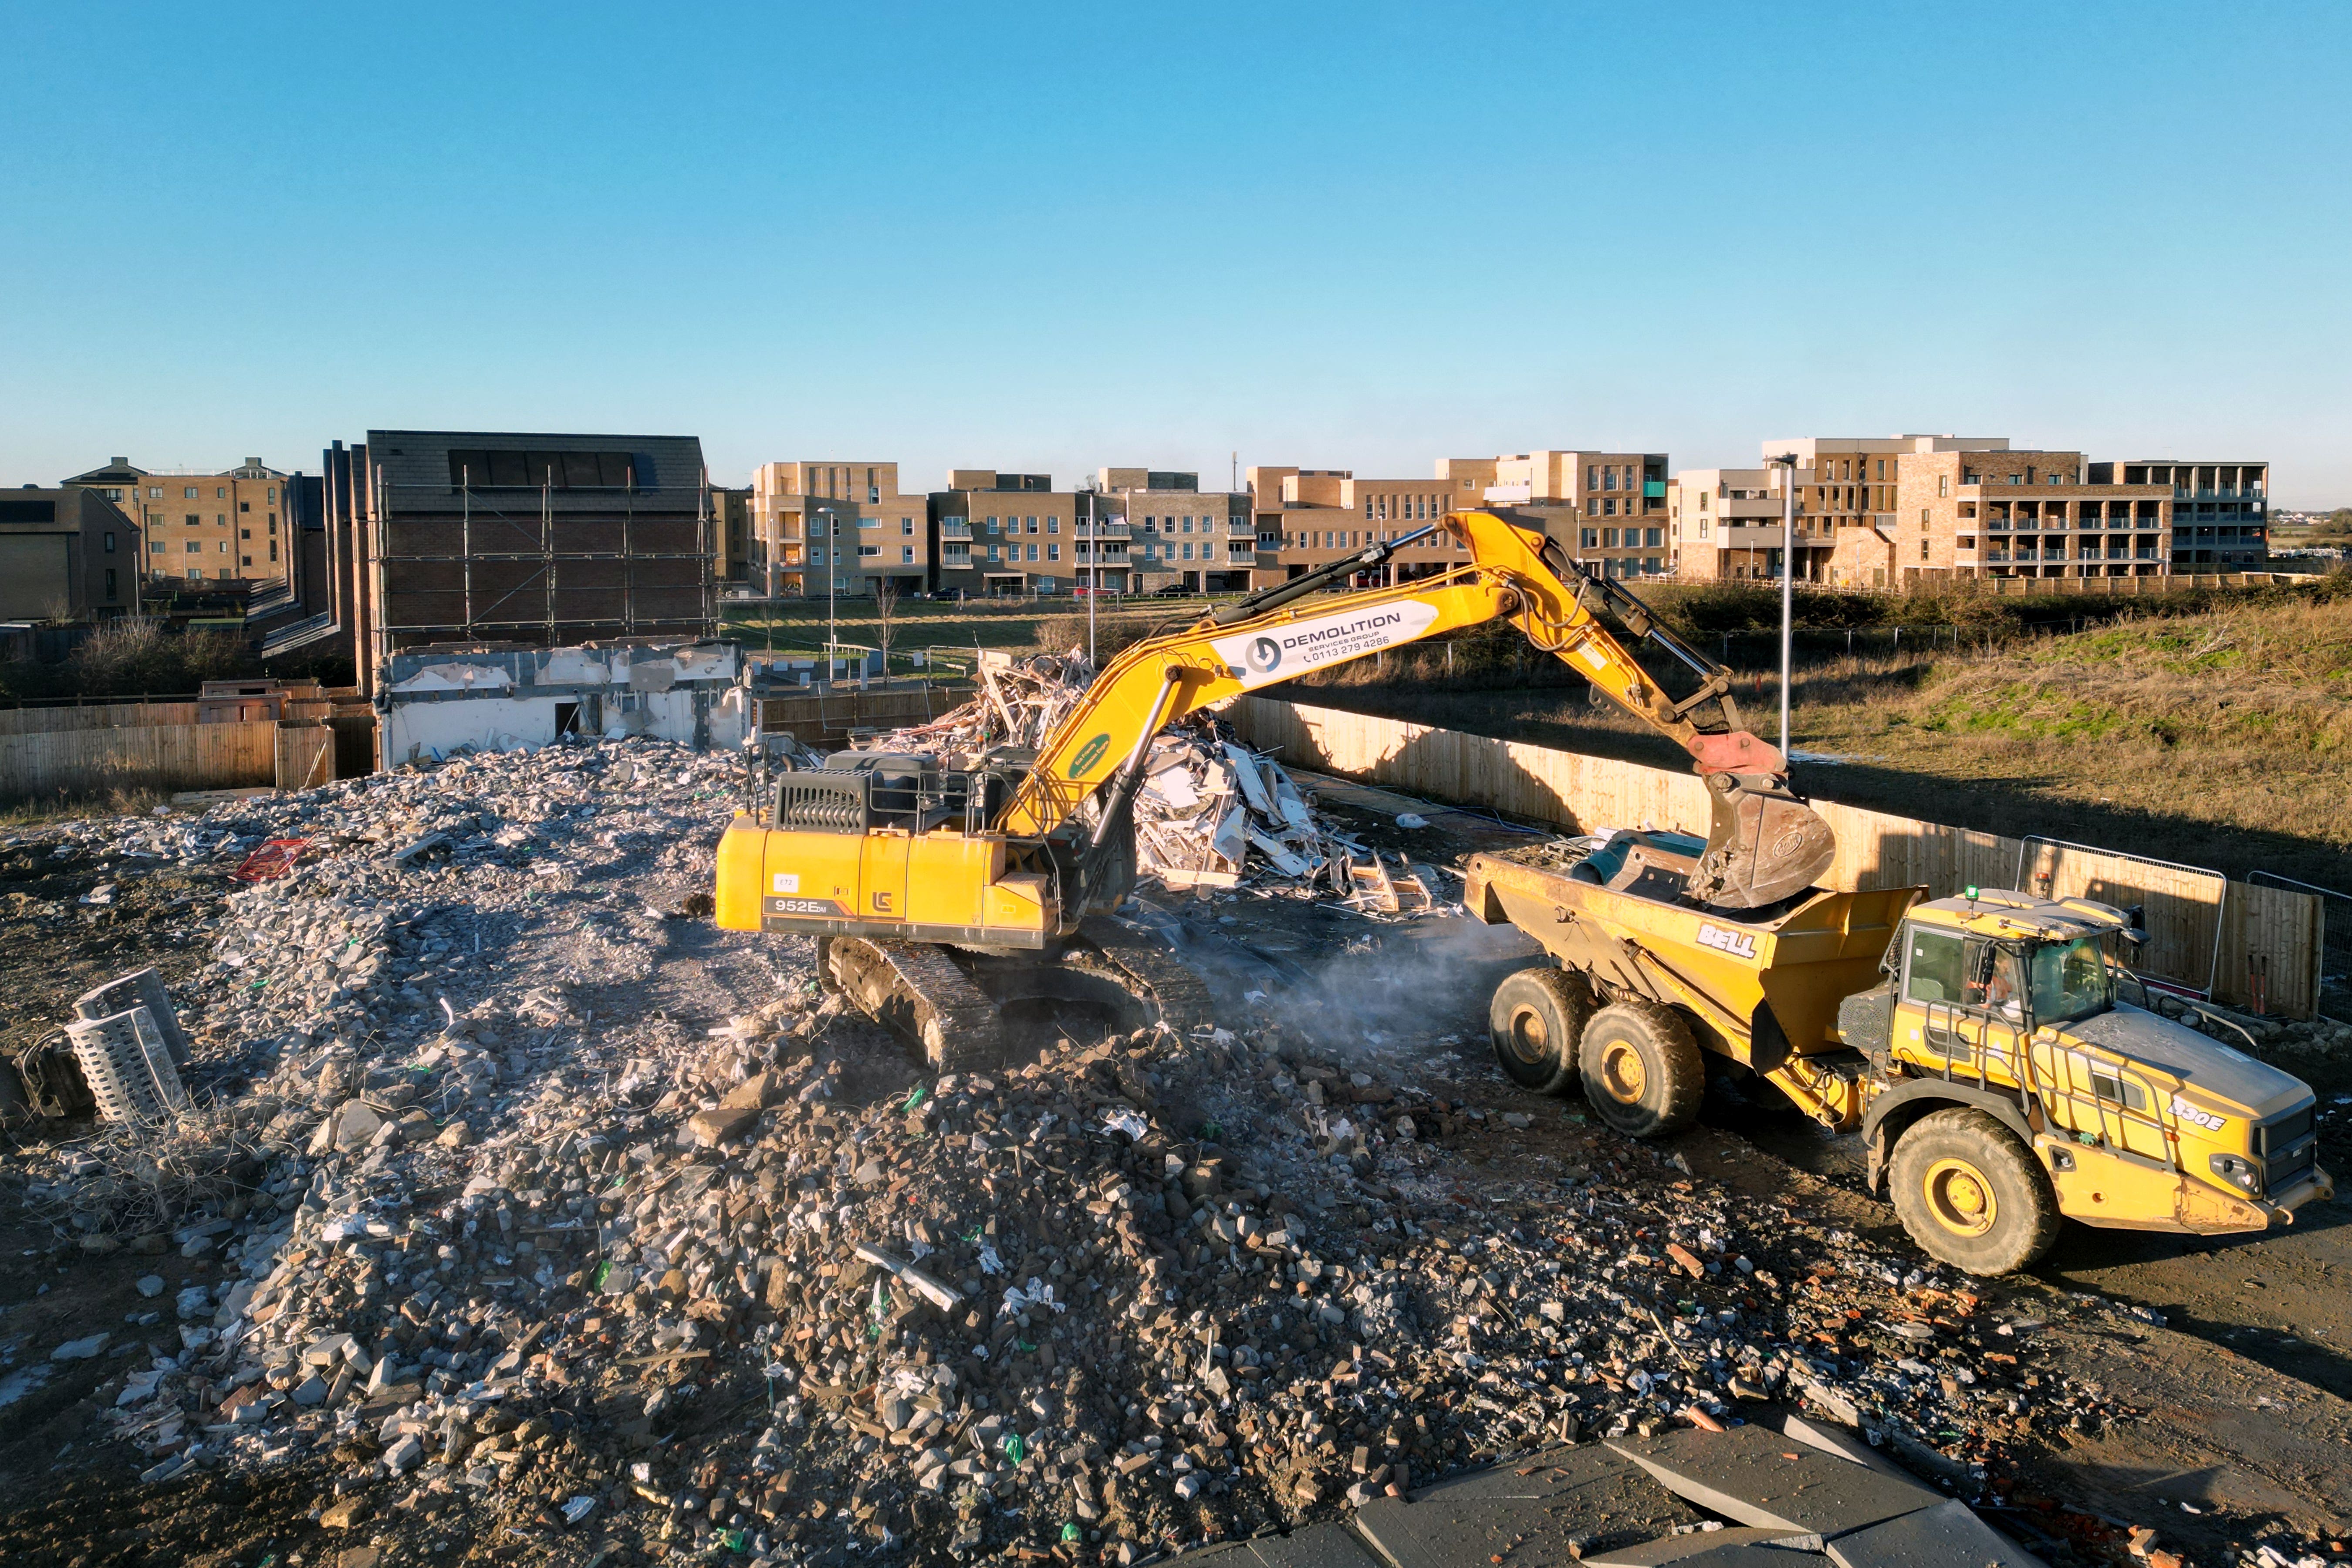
(1006, 533)
(1605, 508)
(2220, 517)
(1172, 534)
(2024, 514)
(225, 526)
(66, 554)
(846, 528)
(1726, 523)
(1308, 518)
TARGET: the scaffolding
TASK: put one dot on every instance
(463, 563)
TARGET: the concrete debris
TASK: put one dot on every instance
(1211, 814)
(727, 1269)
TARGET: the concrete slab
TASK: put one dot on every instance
(1845, 1444)
(1318, 1546)
(1948, 1535)
(1761, 1478)
(1540, 1513)
(1738, 1547)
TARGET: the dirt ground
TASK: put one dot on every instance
(2239, 1361)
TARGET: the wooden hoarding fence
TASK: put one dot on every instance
(156, 757)
(2229, 940)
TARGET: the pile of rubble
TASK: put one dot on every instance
(505, 1260)
(492, 1257)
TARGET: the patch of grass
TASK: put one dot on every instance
(2222, 738)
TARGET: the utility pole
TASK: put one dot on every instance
(1786, 463)
(1094, 570)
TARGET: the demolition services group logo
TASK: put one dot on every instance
(1280, 652)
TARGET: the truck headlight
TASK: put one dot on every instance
(2239, 1172)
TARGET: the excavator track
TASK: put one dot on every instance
(1152, 970)
(949, 1003)
(918, 991)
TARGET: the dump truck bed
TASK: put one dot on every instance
(1612, 906)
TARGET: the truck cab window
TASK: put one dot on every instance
(1934, 968)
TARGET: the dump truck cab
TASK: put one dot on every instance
(2000, 1010)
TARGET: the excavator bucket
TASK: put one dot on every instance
(1764, 844)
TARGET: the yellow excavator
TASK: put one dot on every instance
(944, 897)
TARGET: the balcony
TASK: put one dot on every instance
(955, 528)
(1654, 489)
(1102, 528)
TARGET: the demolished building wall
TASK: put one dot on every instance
(439, 700)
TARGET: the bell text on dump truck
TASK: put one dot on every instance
(1984, 1046)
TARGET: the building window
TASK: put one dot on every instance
(869, 522)
(992, 549)
(905, 526)
(109, 542)
(245, 534)
(192, 493)
(273, 550)
(154, 547)
(273, 494)
(1591, 539)
(1367, 506)
(1053, 525)
(223, 546)
(1052, 553)
(247, 559)
(864, 549)
(245, 506)
(1653, 537)
(906, 555)
(154, 492)
(1923, 549)
(194, 519)
(1032, 525)
(1607, 538)
(196, 546)
(110, 580)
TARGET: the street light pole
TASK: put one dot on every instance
(832, 584)
(1094, 570)
(1788, 464)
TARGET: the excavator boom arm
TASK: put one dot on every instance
(1763, 844)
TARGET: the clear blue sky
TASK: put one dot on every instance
(1047, 238)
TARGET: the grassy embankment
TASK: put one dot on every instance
(2212, 730)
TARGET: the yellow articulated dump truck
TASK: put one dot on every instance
(1981, 1044)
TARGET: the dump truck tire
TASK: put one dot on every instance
(1971, 1195)
(1535, 1021)
(1642, 1070)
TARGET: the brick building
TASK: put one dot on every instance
(1007, 533)
(542, 539)
(220, 527)
(849, 521)
(2220, 517)
(1173, 535)
(65, 553)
